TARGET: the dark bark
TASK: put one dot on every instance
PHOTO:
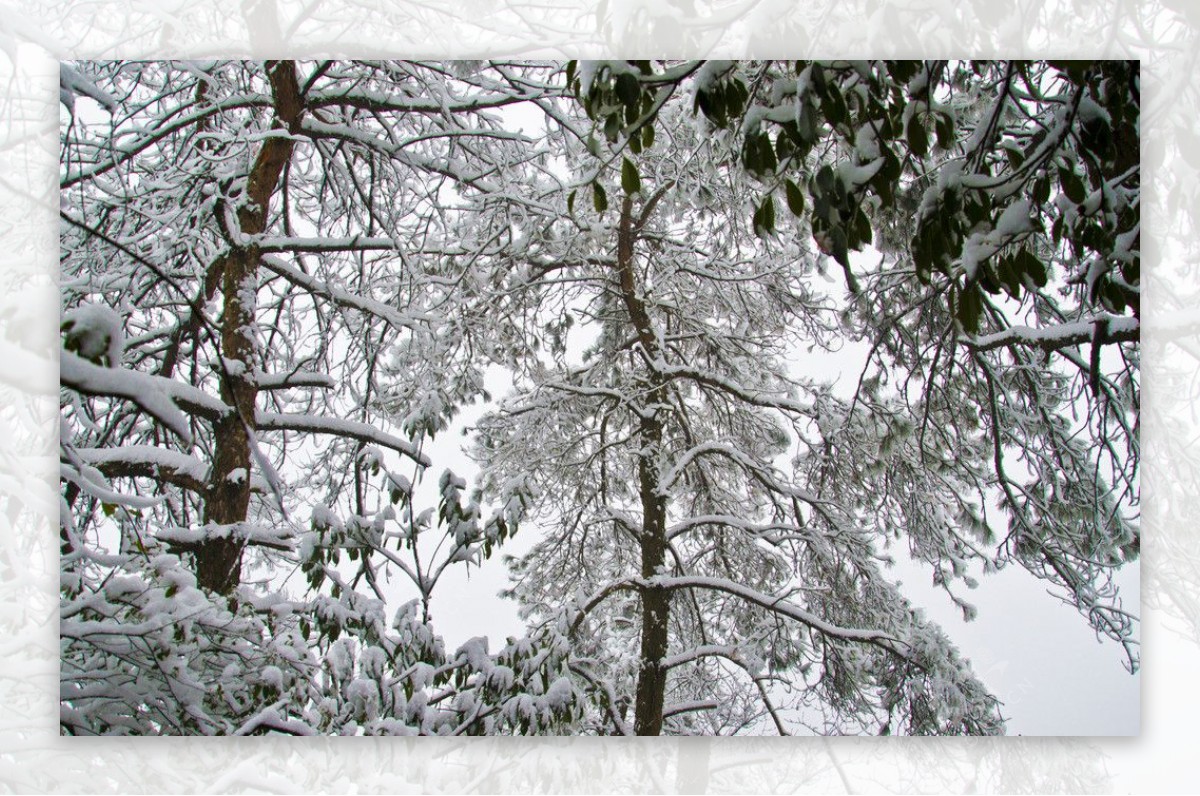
(656, 606)
(218, 561)
(656, 603)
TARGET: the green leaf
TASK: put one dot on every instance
(988, 279)
(109, 509)
(922, 260)
(806, 124)
(648, 136)
(903, 71)
(918, 139)
(1076, 71)
(599, 197)
(1041, 190)
(1112, 297)
(629, 89)
(750, 155)
(784, 146)
(1026, 264)
(769, 162)
(817, 80)
(825, 180)
(764, 217)
(970, 308)
(1009, 277)
(612, 126)
(795, 198)
(860, 229)
(571, 65)
(571, 203)
(835, 108)
(838, 247)
(735, 97)
(944, 127)
(630, 181)
(1072, 186)
(718, 105)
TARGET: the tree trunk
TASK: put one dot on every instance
(652, 678)
(227, 498)
(656, 603)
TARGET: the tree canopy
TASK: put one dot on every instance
(282, 280)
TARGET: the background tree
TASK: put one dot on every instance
(658, 456)
(1011, 192)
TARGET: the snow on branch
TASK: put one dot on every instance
(690, 707)
(168, 401)
(272, 421)
(283, 381)
(779, 606)
(727, 521)
(147, 461)
(747, 394)
(739, 457)
(1116, 330)
(248, 533)
(381, 101)
(157, 132)
(354, 243)
(730, 651)
(269, 720)
(72, 84)
(340, 297)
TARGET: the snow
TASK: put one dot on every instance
(866, 145)
(854, 176)
(277, 381)
(147, 457)
(96, 332)
(272, 676)
(711, 72)
(560, 695)
(1016, 220)
(73, 84)
(248, 532)
(1090, 111)
(1073, 333)
(147, 393)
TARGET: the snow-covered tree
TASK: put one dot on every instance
(710, 582)
(281, 280)
(257, 260)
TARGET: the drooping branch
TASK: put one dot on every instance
(311, 424)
